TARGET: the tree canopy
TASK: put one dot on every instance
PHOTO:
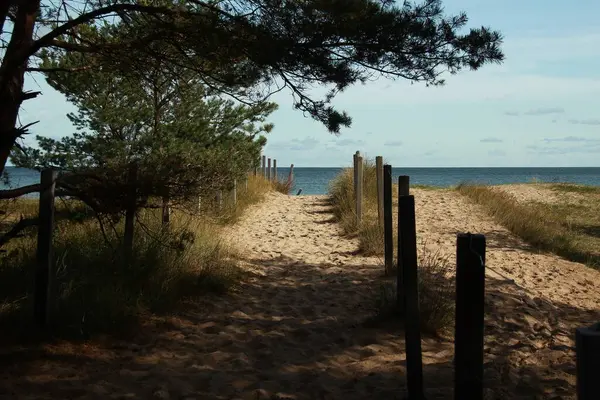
(247, 49)
(184, 140)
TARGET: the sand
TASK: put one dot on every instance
(295, 329)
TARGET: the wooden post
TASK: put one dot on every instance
(219, 199)
(269, 170)
(264, 166)
(379, 171)
(291, 175)
(587, 349)
(246, 182)
(359, 188)
(355, 171)
(407, 251)
(274, 169)
(130, 212)
(166, 212)
(403, 185)
(234, 193)
(45, 274)
(388, 233)
(468, 339)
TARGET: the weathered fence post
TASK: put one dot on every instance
(468, 338)
(388, 233)
(403, 185)
(587, 349)
(291, 175)
(166, 211)
(130, 212)
(403, 190)
(264, 166)
(379, 171)
(407, 252)
(234, 193)
(274, 169)
(269, 170)
(219, 200)
(45, 286)
(355, 170)
(359, 188)
(246, 181)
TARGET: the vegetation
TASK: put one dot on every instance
(243, 48)
(436, 296)
(568, 227)
(341, 190)
(183, 141)
(97, 290)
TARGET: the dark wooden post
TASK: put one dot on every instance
(410, 290)
(45, 274)
(379, 173)
(166, 212)
(274, 169)
(269, 169)
(264, 166)
(388, 233)
(130, 211)
(403, 185)
(359, 189)
(355, 170)
(468, 338)
(403, 190)
(587, 349)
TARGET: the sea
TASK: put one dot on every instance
(316, 180)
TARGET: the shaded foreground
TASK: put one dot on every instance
(296, 328)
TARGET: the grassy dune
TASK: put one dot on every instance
(97, 290)
(567, 225)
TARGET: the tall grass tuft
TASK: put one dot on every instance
(436, 295)
(283, 186)
(341, 191)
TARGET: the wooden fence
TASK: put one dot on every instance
(470, 296)
(44, 293)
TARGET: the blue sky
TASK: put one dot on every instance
(541, 107)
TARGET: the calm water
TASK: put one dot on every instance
(316, 180)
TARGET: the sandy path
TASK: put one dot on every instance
(293, 331)
(534, 301)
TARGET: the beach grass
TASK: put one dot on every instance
(568, 226)
(97, 291)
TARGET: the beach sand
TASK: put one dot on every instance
(295, 329)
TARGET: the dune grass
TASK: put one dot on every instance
(97, 291)
(436, 288)
(341, 191)
(569, 227)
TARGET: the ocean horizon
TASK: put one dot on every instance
(316, 180)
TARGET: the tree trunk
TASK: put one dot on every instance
(12, 75)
